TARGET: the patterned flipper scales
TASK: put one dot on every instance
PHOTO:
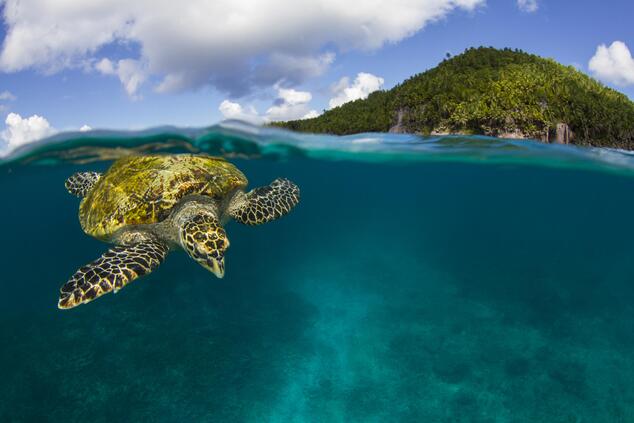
(111, 272)
(81, 182)
(267, 203)
(205, 241)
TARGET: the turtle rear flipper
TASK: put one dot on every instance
(205, 241)
(112, 271)
(266, 203)
(81, 182)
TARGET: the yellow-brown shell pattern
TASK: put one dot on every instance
(143, 189)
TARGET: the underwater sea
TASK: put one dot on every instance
(420, 279)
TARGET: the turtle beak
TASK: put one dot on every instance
(206, 243)
(217, 267)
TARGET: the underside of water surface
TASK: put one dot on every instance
(450, 279)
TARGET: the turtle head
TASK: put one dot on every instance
(210, 253)
(205, 241)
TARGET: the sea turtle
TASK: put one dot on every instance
(148, 205)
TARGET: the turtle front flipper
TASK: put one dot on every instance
(81, 182)
(266, 203)
(205, 241)
(112, 271)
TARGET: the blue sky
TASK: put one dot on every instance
(140, 63)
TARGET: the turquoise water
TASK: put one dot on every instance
(438, 280)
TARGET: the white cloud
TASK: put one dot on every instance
(232, 110)
(293, 97)
(106, 67)
(311, 114)
(290, 105)
(613, 64)
(528, 6)
(85, 128)
(7, 96)
(21, 130)
(363, 85)
(131, 73)
(233, 45)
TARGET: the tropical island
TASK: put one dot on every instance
(503, 93)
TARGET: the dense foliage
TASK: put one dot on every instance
(493, 92)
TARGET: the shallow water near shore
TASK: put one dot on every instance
(446, 279)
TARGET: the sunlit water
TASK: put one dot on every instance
(429, 280)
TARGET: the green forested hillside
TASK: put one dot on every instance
(492, 92)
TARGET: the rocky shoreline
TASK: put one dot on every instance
(561, 134)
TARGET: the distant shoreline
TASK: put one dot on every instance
(485, 91)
